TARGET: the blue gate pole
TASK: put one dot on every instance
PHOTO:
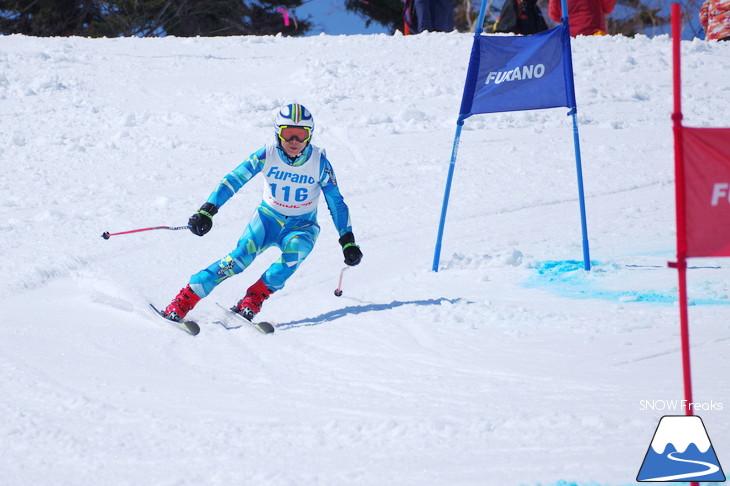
(568, 55)
(465, 101)
(447, 191)
(581, 196)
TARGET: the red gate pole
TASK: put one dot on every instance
(681, 263)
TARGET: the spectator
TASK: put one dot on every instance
(586, 17)
(715, 19)
(435, 15)
(520, 17)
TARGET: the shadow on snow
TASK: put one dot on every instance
(360, 309)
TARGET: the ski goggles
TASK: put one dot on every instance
(301, 134)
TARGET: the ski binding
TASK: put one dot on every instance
(261, 326)
(191, 327)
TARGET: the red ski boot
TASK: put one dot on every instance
(182, 304)
(250, 305)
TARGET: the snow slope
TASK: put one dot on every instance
(510, 366)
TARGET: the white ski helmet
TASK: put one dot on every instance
(292, 115)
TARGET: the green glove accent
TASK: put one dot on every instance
(202, 221)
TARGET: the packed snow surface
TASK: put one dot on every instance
(511, 365)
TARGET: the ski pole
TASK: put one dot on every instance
(338, 292)
(106, 234)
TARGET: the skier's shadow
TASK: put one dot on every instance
(359, 309)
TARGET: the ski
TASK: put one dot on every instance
(261, 326)
(190, 327)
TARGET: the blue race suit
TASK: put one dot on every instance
(286, 217)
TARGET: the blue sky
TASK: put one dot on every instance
(331, 17)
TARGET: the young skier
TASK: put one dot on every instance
(295, 173)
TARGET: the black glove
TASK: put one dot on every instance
(352, 252)
(202, 221)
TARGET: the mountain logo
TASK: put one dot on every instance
(681, 451)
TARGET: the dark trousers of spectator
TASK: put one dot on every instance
(435, 15)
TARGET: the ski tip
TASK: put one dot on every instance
(265, 327)
(192, 327)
